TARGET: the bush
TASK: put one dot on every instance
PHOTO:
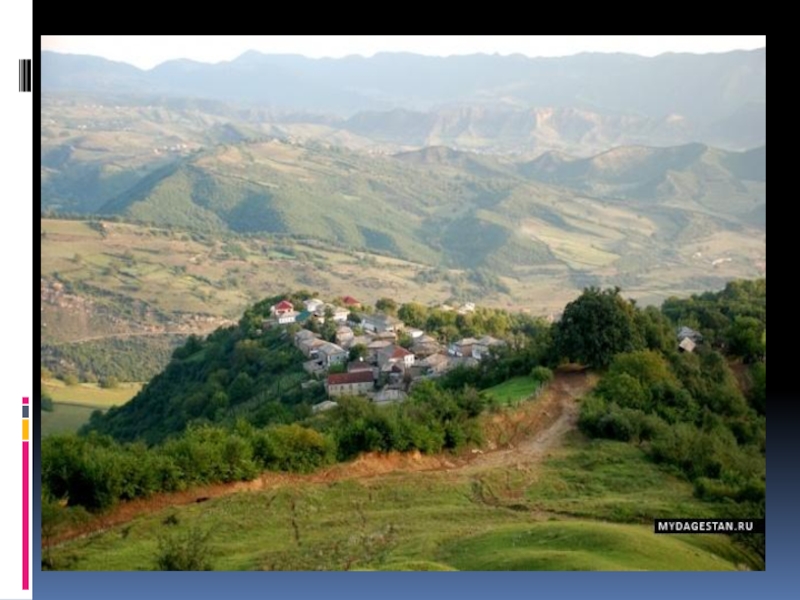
(109, 382)
(47, 402)
(542, 374)
(188, 551)
(293, 448)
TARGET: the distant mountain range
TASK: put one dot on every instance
(622, 208)
(591, 168)
(506, 103)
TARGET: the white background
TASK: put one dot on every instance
(16, 302)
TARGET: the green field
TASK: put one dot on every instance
(65, 418)
(587, 546)
(89, 394)
(513, 390)
(74, 404)
(528, 517)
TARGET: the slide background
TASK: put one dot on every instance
(16, 295)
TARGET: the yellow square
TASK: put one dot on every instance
(25, 429)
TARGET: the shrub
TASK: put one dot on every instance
(542, 374)
(109, 382)
(188, 551)
(293, 448)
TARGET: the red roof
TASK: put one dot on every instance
(354, 377)
(400, 352)
(283, 304)
(350, 300)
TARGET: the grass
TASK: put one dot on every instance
(582, 546)
(65, 418)
(90, 395)
(513, 390)
(534, 517)
(74, 404)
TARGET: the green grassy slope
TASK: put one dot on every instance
(436, 521)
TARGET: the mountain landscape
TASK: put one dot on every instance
(539, 227)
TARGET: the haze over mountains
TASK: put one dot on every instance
(511, 103)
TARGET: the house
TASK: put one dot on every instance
(331, 354)
(426, 346)
(387, 395)
(376, 346)
(381, 323)
(343, 335)
(304, 335)
(286, 317)
(688, 332)
(340, 314)
(313, 367)
(481, 347)
(322, 406)
(394, 373)
(310, 347)
(435, 364)
(358, 382)
(358, 339)
(281, 308)
(462, 347)
(688, 339)
(351, 302)
(395, 355)
(313, 304)
(414, 332)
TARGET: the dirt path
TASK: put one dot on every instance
(534, 431)
(515, 437)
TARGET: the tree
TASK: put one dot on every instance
(386, 305)
(109, 382)
(596, 326)
(328, 330)
(413, 313)
(745, 338)
(358, 351)
(405, 340)
(241, 389)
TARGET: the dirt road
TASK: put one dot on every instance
(514, 437)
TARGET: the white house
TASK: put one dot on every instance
(313, 304)
(286, 317)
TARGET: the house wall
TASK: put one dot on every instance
(342, 389)
(335, 358)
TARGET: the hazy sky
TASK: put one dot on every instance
(148, 51)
